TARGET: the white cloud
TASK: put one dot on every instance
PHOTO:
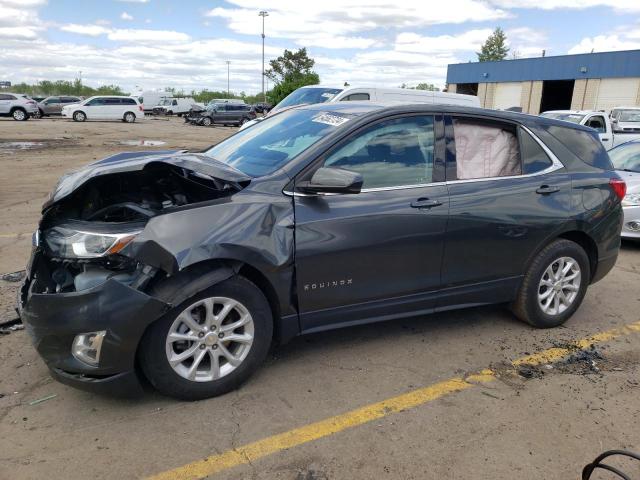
(90, 30)
(619, 5)
(17, 33)
(466, 41)
(126, 16)
(607, 43)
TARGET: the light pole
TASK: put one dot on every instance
(228, 64)
(263, 13)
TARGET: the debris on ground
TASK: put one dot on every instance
(13, 276)
(43, 399)
(11, 326)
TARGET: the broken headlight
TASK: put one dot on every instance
(65, 242)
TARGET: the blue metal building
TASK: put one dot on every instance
(585, 81)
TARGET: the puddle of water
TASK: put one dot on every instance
(142, 143)
(13, 146)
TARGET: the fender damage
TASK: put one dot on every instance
(174, 211)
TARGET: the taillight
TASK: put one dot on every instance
(619, 187)
(141, 107)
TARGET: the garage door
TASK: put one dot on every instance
(616, 92)
(507, 95)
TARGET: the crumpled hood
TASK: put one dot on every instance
(135, 161)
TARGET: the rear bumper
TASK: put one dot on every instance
(603, 267)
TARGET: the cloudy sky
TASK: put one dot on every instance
(145, 44)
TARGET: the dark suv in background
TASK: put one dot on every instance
(226, 114)
(185, 267)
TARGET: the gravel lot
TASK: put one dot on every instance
(540, 424)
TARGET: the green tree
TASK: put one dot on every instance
(289, 72)
(427, 86)
(494, 48)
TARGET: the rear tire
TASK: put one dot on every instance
(20, 115)
(79, 116)
(196, 341)
(554, 286)
(129, 117)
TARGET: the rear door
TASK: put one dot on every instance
(113, 108)
(508, 195)
(375, 254)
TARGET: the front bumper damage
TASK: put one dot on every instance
(54, 319)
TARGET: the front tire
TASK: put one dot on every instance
(79, 116)
(20, 115)
(209, 344)
(554, 286)
(206, 121)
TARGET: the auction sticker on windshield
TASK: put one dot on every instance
(329, 119)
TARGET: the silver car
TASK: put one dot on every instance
(53, 105)
(17, 105)
(626, 161)
(625, 119)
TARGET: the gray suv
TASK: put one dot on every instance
(53, 105)
(18, 106)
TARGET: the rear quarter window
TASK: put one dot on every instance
(584, 145)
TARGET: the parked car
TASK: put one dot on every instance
(53, 105)
(18, 106)
(597, 120)
(37, 99)
(626, 160)
(262, 107)
(194, 114)
(174, 106)
(151, 98)
(226, 114)
(625, 119)
(189, 265)
(108, 107)
(312, 94)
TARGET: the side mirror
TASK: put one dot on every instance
(332, 180)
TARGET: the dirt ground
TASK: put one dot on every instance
(539, 423)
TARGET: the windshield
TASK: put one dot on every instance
(308, 96)
(270, 144)
(626, 157)
(166, 101)
(629, 116)
(567, 117)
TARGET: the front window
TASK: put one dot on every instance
(392, 153)
(271, 144)
(567, 117)
(308, 96)
(629, 116)
(626, 157)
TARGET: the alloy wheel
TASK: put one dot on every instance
(559, 285)
(209, 339)
(19, 115)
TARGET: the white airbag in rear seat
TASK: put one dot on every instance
(485, 151)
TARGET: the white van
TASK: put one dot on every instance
(105, 107)
(321, 94)
(175, 106)
(151, 98)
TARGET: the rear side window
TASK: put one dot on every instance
(6, 97)
(112, 101)
(485, 149)
(354, 97)
(534, 158)
(586, 146)
(128, 101)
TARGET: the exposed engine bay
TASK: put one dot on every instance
(83, 234)
(138, 196)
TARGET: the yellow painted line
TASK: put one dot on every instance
(298, 436)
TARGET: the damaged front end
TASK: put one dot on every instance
(85, 299)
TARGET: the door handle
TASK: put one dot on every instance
(604, 139)
(547, 189)
(425, 203)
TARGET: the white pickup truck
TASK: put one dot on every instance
(597, 120)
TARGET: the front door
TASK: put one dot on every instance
(375, 254)
(600, 125)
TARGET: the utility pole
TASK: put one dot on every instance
(228, 91)
(263, 13)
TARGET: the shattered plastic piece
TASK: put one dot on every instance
(13, 276)
(43, 399)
